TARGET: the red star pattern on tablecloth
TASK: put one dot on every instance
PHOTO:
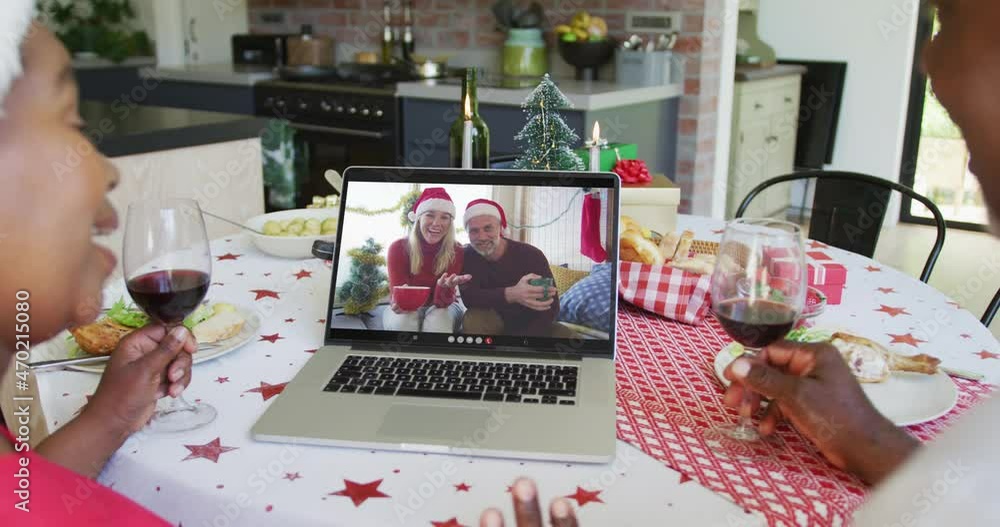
(210, 451)
(321, 321)
(314, 350)
(289, 320)
(684, 478)
(271, 338)
(222, 380)
(302, 274)
(292, 476)
(265, 293)
(965, 336)
(268, 390)
(227, 256)
(873, 269)
(987, 355)
(450, 523)
(719, 231)
(818, 245)
(906, 338)
(584, 497)
(462, 487)
(360, 492)
(892, 311)
(885, 290)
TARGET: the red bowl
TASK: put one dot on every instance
(410, 297)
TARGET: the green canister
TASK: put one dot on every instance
(524, 53)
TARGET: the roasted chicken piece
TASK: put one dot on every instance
(873, 362)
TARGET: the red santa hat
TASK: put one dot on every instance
(486, 207)
(433, 198)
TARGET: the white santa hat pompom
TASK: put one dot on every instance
(433, 198)
(15, 22)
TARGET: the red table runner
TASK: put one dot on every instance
(668, 396)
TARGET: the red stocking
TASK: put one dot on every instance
(590, 230)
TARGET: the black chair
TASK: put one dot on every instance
(991, 311)
(849, 208)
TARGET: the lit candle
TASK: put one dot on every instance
(595, 148)
(467, 136)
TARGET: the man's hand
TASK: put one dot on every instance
(148, 365)
(453, 280)
(528, 295)
(812, 386)
(527, 512)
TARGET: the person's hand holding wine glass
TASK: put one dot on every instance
(168, 269)
(758, 294)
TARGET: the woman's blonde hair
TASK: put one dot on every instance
(445, 255)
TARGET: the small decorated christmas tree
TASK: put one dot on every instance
(546, 138)
(367, 282)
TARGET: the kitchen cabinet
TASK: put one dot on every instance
(765, 125)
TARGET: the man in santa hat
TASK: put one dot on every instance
(500, 296)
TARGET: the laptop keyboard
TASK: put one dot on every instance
(511, 382)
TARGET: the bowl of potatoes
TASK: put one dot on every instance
(291, 233)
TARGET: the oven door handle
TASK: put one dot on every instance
(337, 130)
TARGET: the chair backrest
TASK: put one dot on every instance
(991, 311)
(849, 209)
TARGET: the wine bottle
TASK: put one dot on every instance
(388, 40)
(470, 123)
(408, 44)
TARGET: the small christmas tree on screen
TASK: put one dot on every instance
(546, 138)
(367, 283)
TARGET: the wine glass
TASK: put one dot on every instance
(168, 267)
(758, 293)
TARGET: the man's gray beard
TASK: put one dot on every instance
(492, 249)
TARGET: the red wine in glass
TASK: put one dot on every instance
(169, 295)
(755, 324)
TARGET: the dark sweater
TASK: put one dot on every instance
(489, 279)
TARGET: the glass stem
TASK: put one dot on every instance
(179, 403)
(745, 422)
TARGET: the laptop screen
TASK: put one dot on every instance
(482, 259)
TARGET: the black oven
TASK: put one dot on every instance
(333, 127)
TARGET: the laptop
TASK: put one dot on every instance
(497, 379)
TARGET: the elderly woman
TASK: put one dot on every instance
(429, 257)
(52, 273)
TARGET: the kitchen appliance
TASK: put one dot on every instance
(308, 49)
(349, 116)
(260, 50)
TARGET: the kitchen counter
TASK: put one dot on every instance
(120, 130)
(227, 74)
(585, 95)
(99, 63)
(751, 73)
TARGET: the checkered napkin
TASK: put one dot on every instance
(672, 293)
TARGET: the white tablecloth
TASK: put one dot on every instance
(219, 476)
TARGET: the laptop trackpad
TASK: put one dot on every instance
(450, 423)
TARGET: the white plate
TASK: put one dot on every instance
(905, 399)
(290, 246)
(58, 348)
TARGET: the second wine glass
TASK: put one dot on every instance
(758, 293)
(168, 268)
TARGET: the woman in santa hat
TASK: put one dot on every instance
(52, 270)
(428, 257)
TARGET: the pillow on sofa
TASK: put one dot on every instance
(588, 301)
(565, 278)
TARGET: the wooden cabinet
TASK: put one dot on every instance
(765, 125)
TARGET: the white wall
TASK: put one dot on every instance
(876, 38)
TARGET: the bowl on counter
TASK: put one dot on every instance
(290, 246)
(587, 56)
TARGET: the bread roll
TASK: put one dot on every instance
(645, 250)
(668, 245)
(684, 246)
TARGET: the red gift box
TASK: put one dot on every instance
(825, 274)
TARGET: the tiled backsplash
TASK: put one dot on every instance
(466, 28)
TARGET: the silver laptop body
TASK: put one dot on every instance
(573, 422)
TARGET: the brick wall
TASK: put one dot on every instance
(468, 24)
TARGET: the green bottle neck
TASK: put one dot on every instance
(469, 90)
